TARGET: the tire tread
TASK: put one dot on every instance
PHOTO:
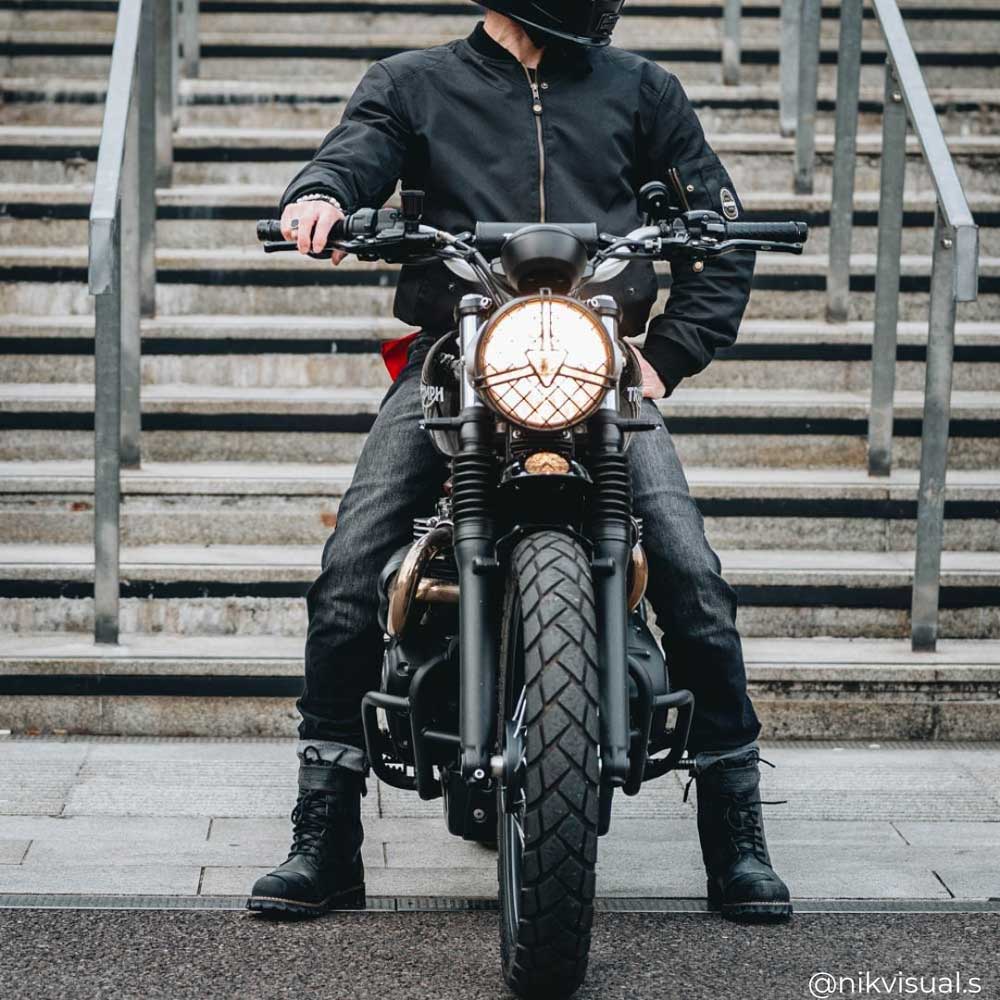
(549, 957)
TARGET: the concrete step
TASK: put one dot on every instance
(287, 352)
(47, 280)
(283, 504)
(227, 686)
(348, 64)
(67, 155)
(318, 105)
(946, 59)
(252, 590)
(738, 427)
(637, 27)
(44, 215)
(912, 9)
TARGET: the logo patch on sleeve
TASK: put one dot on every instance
(729, 207)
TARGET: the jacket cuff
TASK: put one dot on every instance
(671, 361)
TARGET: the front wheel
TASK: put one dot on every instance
(549, 736)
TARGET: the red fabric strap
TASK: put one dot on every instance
(396, 352)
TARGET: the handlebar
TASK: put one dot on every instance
(397, 237)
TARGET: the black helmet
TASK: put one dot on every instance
(585, 22)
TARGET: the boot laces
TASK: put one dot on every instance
(310, 824)
(745, 823)
(744, 819)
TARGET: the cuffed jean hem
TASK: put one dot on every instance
(336, 754)
(706, 758)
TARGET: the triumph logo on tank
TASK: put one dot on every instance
(432, 394)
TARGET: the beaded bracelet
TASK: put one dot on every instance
(319, 196)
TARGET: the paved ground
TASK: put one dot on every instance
(175, 956)
(187, 817)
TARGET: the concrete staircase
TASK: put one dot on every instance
(261, 377)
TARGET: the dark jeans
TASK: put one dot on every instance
(399, 477)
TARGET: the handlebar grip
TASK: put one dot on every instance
(269, 230)
(775, 232)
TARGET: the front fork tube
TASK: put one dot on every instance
(474, 538)
(611, 532)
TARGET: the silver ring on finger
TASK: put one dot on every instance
(294, 224)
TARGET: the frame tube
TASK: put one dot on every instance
(474, 540)
(611, 535)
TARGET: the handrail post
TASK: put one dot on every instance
(838, 282)
(890, 236)
(130, 269)
(788, 65)
(189, 38)
(731, 42)
(934, 439)
(166, 59)
(147, 159)
(107, 429)
(805, 128)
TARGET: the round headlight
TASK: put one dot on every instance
(544, 362)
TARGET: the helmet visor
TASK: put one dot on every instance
(586, 22)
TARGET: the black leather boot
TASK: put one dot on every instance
(741, 882)
(323, 870)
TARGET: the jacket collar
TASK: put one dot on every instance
(486, 46)
(571, 57)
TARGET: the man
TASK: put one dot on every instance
(524, 121)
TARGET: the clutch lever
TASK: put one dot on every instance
(324, 254)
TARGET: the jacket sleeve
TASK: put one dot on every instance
(361, 160)
(704, 309)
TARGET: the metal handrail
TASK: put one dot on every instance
(955, 255)
(135, 150)
(732, 14)
(189, 37)
(951, 197)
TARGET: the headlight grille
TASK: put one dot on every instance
(544, 362)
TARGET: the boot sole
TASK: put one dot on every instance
(751, 913)
(292, 909)
(757, 913)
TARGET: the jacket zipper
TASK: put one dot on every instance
(536, 108)
(675, 177)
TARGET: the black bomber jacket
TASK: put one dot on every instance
(462, 122)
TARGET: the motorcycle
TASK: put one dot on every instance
(521, 682)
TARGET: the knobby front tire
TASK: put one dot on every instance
(549, 658)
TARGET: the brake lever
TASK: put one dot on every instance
(758, 246)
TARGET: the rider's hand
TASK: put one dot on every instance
(315, 220)
(652, 384)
